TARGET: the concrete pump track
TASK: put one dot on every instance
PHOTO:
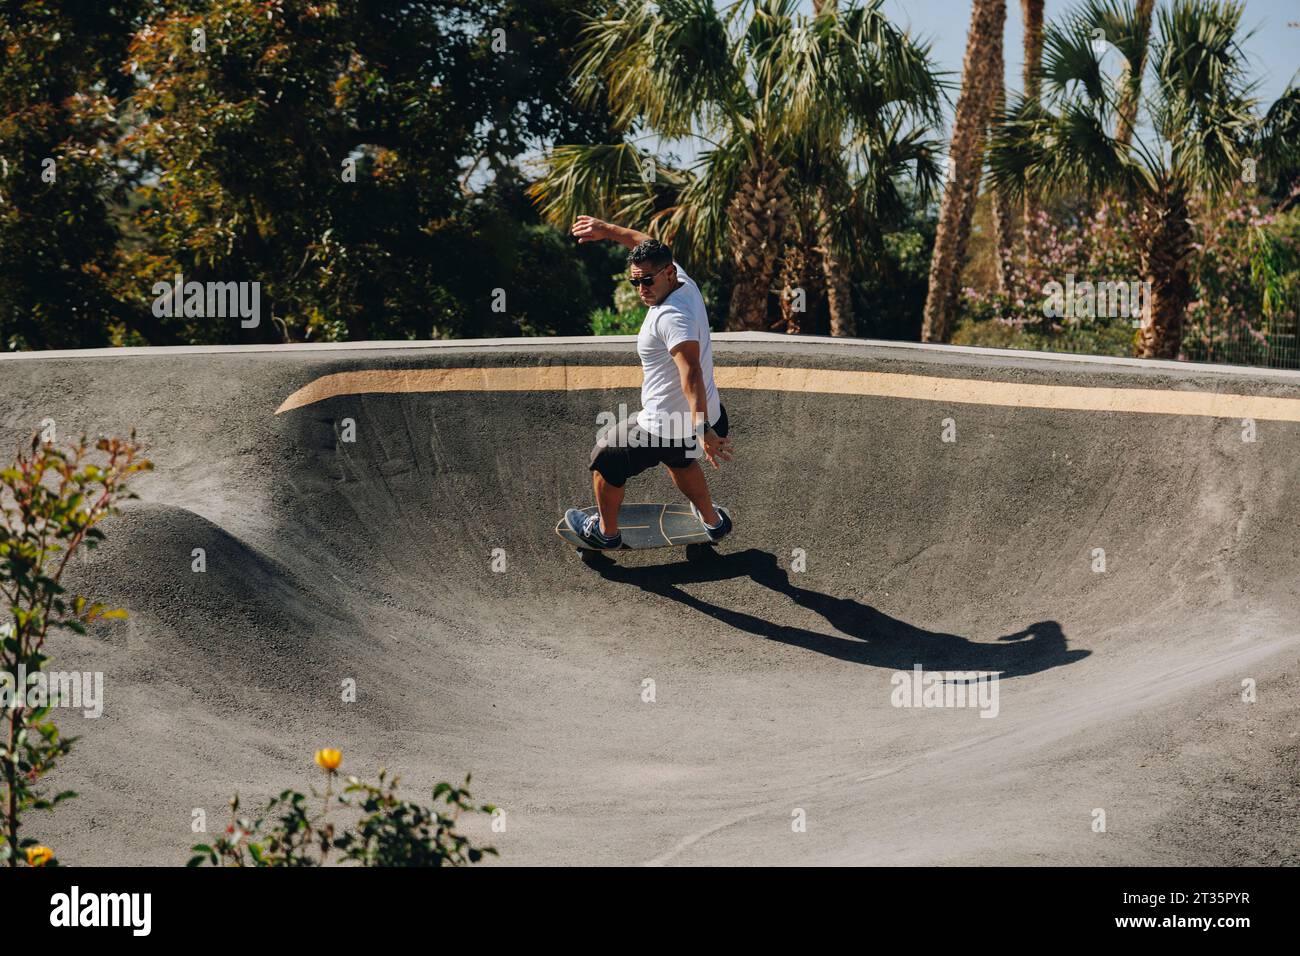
(1117, 541)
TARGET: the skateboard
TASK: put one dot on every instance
(647, 526)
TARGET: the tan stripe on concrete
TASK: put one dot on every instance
(551, 378)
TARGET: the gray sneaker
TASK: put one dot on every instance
(722, 530)
(587, 527)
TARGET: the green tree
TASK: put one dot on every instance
(59, 79)
(863, 96)
(247, 116)
(209, 138)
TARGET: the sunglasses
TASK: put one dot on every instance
(638, 281)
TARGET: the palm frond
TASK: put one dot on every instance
(1120, 27)
(696, 224)
(1275, 269)
(1279, 141)
(1198, 56)
(1017, 138)
(667, 66)
(604, 180)
(1039, 152)
(1072, 57)
(1204, 102)
(891, 155)
(768, 32)
(848, 65)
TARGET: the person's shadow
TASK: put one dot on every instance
(872, 637)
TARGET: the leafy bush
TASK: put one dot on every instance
(549, 293)
(1246, 287)
(51, 501)
(626, 299)
(889, 301)
(1074, 243)
(1114, 338)
(389, 832)
(610, 322)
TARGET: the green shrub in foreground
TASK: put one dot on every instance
(390, 832)
(51, 501)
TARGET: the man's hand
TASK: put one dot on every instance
(590, 229)
(716, 448)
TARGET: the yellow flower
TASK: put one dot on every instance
(329, 759)
(39, 855)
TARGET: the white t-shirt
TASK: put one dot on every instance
(681, 317)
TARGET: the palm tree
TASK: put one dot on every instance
(1203, 124)
(868, 93)
(862, 95)
(763, 86)
(1001, 203)
(834, 271)
(1032, 13)
(965, 164)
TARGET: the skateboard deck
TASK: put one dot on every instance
(647, 526)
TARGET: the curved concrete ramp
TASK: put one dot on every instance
(1095, 533)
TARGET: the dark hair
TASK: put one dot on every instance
(651, 251)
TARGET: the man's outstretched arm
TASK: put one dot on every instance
(591, 229)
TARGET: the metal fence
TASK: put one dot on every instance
(1269, 343)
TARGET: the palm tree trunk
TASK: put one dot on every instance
(966, 160)
(1166, 240)
(1128, 106)
(839, 298)
(1001, 202)
(801, 279)
(1032, 11)
(756, 221)
(1002, 235)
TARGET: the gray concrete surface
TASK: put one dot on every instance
(373, 560)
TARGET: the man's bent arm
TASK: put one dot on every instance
(628, 238)
(590, 229)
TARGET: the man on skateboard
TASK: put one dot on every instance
(681, 414)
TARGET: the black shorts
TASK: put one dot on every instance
(618, 461)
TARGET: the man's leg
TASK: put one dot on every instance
(690, 481)
(609, 498)
(618, 455)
